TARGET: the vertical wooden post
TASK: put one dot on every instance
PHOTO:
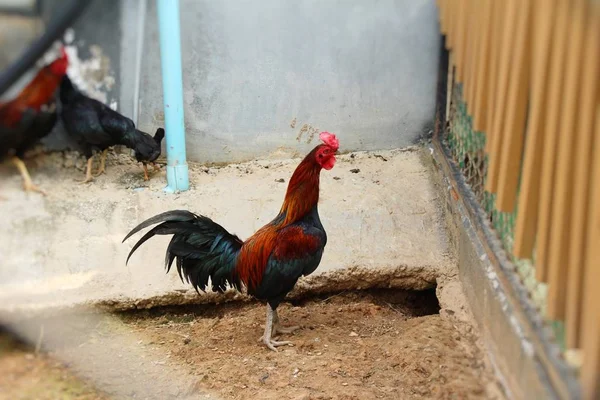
(498, 12)
(590, 371)
(474, 53)
(563, 188)
(516, 111)
(506, 58)
(483, 67)
(461, 38)
(555, 95)
(582, 168)
(543, 22)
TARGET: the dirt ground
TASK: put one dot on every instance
(378, 344)
(362, 345)
(25, 375)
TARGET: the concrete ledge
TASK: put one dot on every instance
(383, 223)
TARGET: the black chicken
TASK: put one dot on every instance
(148, 150)
(96, 127)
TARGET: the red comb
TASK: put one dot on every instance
(330, 140)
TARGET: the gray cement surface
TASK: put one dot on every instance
(383, 223)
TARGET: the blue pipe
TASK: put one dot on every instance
(170, 59)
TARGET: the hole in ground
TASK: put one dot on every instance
(410, 303)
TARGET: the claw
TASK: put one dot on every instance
(100, 172)
(88, 171)
(28, 185)
(284, 329)
(102, 168)
(271, 328)
(278, 328)
(272, 344)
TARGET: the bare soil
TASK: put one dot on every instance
(25, 375)
(376, 344)
(360, 345)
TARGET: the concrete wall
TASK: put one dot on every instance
(365, 70)
(94, 54)
(16, 32)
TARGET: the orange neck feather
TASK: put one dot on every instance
(303, 190)
(301, 196)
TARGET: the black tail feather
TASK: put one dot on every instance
(166, 228)
(203, 248)
(175, 215)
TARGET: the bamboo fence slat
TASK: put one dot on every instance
(461, 30)
(450, 17)
(582, 170)
(590, 374)
(516, 111)
(498, 10)
(563, 188)
(483, 67)
(464, 44)
(474, 54)
(543, 21)
(470, 35)
(555, 87)
(507, 43)
(449, 86)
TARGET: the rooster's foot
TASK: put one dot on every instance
(88, 172)
(278, 328)
(100, 171)
(273, 344)
(146, 177)
(271, 329)
(102, 168)
(28, 185)
(284, 329)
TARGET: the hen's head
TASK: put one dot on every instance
(60, 65)
(325, 154)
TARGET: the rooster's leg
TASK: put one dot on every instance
(88, 171)
(27, 183)
(145, 171)
(277, 328)
(266, 338)
(156, 167)
(102, 168)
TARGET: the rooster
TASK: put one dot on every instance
(23, 121)
(96, 127)
(270, 262)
